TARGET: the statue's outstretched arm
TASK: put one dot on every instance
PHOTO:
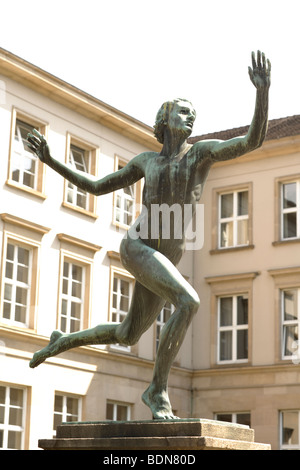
(260, 76)
(120, 179)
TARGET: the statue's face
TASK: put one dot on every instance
(182, 117)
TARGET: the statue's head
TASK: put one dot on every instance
(162, 117)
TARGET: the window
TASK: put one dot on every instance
(75, 283)
(20, 271)
(290, 321)
(124, 213)
(290, 210)
(16, 298)
(12, 417)
(83, 157)
(26, 171)
(289, 429)
(121, 293)
(118, 411)
(233, 329)
(24, 161)
(72, 298)
(238, 418)
(126, 200)
(233, 219)
(66, 409)
(79, 160)
(162, 318)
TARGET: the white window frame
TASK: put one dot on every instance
(289, 323)
(234, 416)
(233, 328)
(115, 406)
(15, 284)
(235, 219)
(161, 321)
(121, 198)
(290, 210)
(120, 314)
(64, 414)
(21, 153)
(289, 446)
(6, 427)
(73, 192)
(69, 298)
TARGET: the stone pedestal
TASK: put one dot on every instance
(158, 435)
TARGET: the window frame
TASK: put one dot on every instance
(64, 414)
(42, 126)
(234, 416)
(125, 275)
(284, 279)
(287, 323)
(234, 219)
(279, 225)
(160, 323)
(234, 327)
(216, 217)
(92, 152)
(16, 284)
(228, 285)
(30, 239)
(137, 198)
(86, 264)
(115, 405)
(288, 446)
(284, 211)
(6, 427)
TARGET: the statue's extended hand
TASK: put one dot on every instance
(38, 144)
(260, 73)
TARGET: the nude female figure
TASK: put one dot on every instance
(176, 175)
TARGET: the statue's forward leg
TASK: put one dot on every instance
(155, 271)
(60, 342)
(144, 309)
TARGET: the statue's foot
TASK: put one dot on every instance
(50, 350)
(158, 403)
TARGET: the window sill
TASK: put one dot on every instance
(30, 191)
(119, 225)
(231, 249)
(9, 328)
(79, 210)
(287, 241)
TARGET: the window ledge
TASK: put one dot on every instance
(30, 191)
(286, 241)
(231, 249)
(79, 210)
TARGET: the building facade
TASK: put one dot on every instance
(60, 269)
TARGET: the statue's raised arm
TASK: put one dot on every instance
(260, 76)
(128, 175)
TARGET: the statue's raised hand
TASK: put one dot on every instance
(260, 73)
(38, 144)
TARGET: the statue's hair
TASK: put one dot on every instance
(163, 116)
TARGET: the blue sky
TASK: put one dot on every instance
(135, 54)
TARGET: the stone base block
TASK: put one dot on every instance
(156, 435)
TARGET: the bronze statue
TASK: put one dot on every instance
(176, 175)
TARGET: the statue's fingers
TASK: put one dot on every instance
(263, 60)
(269, 66)
(39, 135)
(253, 60)
(259, 59)
(32, 147)
(32, 139)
